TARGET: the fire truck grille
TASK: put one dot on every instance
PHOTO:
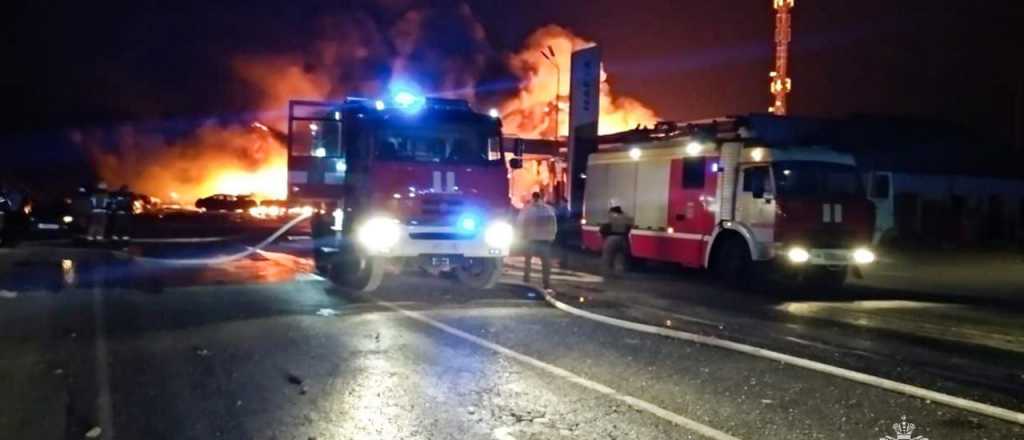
(441, 207)
(439, 236)
(831, 237)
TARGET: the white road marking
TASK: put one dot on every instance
(569, 376)
(867, 379)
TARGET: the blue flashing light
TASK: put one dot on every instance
(404, 98)
(468, 223)
(408, 101)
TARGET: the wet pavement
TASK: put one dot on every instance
(259, 348)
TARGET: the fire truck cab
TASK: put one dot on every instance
(408, 181)
(715, 195)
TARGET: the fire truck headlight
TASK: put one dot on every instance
(863, 256)
(499, 235)
(798, 255)
(379, 234)
(68, 219)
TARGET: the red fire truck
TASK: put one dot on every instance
(411, 180)
(720, 195)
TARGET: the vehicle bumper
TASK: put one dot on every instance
(820, 256)
(411, 243)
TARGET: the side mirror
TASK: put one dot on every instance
(515, 163)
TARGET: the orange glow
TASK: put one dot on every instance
(250, 158)
(216, 159)
(530, 114)
(267, 182)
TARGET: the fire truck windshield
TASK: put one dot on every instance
(798, 178)
(452, 145)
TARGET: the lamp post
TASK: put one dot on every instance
(550, 56)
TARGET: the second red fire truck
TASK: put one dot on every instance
(720, 195)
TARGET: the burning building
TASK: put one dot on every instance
(443, 50)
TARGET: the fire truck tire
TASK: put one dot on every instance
(479, 273)
(732, 263)
(321, 262)
(358, 273)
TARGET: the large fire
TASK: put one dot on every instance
(532, 112)
(235, 158)
(215, 159)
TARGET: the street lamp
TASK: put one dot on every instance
(550, 56)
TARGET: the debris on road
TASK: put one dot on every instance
(296, 380)
(94, 432)
(326, 312)
(8, 294)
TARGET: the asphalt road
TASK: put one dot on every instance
(259, 349)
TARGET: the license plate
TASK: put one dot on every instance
(50, 226)
(835, 257)
(441, 262)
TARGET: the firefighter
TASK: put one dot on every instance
(13, 213)
(615, 232)
(538, 225)
(5, 210)
(121, 221)
(81, 207)
(99, 205)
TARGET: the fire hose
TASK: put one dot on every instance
(228, 258)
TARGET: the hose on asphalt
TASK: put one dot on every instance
(228, 258)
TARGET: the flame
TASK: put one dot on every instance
(216, 159)
(348, 59)
(532, 112)
(267, 182)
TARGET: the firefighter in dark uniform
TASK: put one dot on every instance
(13, 214)
(99, 215)
(615, 233)
(121, 210)
(81, 208)
(5, 211)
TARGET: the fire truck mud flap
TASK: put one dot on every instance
(479, 273)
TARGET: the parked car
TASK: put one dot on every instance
(226, 203)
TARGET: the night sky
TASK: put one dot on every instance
(98, 62)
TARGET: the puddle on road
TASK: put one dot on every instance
(58, 271)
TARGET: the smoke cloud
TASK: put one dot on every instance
(442, 50)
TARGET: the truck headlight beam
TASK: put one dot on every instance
(797, 254)
(863, 256)
(379, 234)
(499, 234)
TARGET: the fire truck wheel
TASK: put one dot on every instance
(321, 262)
(732, 263)
(358, 273)
(479, 273)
